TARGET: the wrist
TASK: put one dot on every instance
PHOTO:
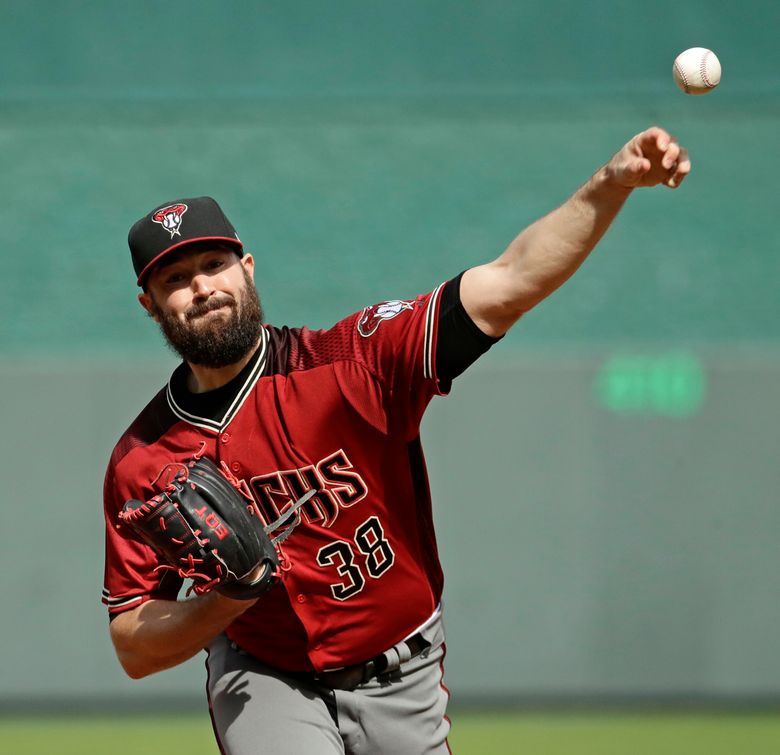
(608, 180)
(230, 607)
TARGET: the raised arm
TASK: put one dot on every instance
(548, 252)
(160, 634)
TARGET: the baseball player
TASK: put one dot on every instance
(344, 654)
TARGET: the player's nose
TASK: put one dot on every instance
(200, 283)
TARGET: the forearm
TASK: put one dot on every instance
(549, 251)
(543, 256)
(160, 634)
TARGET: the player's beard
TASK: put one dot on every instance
(216, 341)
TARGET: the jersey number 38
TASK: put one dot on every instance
(378, 557)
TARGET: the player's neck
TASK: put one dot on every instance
(202, 379)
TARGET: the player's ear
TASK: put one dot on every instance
(248, 261)
(146, 302)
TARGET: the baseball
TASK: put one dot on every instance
(697, 70)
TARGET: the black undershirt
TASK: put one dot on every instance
(460, 342)
(210, 404)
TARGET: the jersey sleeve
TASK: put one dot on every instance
(384, 356)
(131, 576)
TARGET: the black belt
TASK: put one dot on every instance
(349, 677)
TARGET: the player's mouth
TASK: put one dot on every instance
(209, 309)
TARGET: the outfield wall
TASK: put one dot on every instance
(594, 549)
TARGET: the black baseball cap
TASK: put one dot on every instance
(174, 225)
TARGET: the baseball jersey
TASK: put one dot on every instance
(336, 411)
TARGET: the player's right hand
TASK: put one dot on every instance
(650, 158)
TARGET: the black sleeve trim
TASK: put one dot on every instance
(460, 342)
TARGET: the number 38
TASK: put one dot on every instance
(371, 542)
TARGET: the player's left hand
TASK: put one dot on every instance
(650, 158)
(203, 529)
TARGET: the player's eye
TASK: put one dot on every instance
(173, 278)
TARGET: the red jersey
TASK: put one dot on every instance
(337, 411)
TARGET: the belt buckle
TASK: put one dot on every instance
(346, 678)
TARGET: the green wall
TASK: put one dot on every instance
(615, 544)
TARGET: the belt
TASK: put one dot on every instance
(349, 677)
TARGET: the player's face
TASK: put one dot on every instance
(206, 305)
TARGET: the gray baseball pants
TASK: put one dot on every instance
(256, 709)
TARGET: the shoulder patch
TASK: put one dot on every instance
(372, 317)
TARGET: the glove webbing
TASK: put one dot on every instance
(282, 536)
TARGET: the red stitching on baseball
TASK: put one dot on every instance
(703, 69)
(681, 74)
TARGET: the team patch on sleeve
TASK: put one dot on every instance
(372, 317)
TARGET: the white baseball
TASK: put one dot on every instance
(697, 70)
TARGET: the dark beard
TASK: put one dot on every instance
(218, 342)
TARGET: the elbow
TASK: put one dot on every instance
(133, 664)
(133, 668)
(129, 649)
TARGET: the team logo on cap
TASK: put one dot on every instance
(372, 317)
(170, 218)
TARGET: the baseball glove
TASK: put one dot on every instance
(204, 528)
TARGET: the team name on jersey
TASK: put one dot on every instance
(338, 487)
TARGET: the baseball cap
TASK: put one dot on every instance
(175, 224)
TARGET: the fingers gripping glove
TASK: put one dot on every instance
(206, 530)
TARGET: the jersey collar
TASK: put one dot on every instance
(215, 409)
